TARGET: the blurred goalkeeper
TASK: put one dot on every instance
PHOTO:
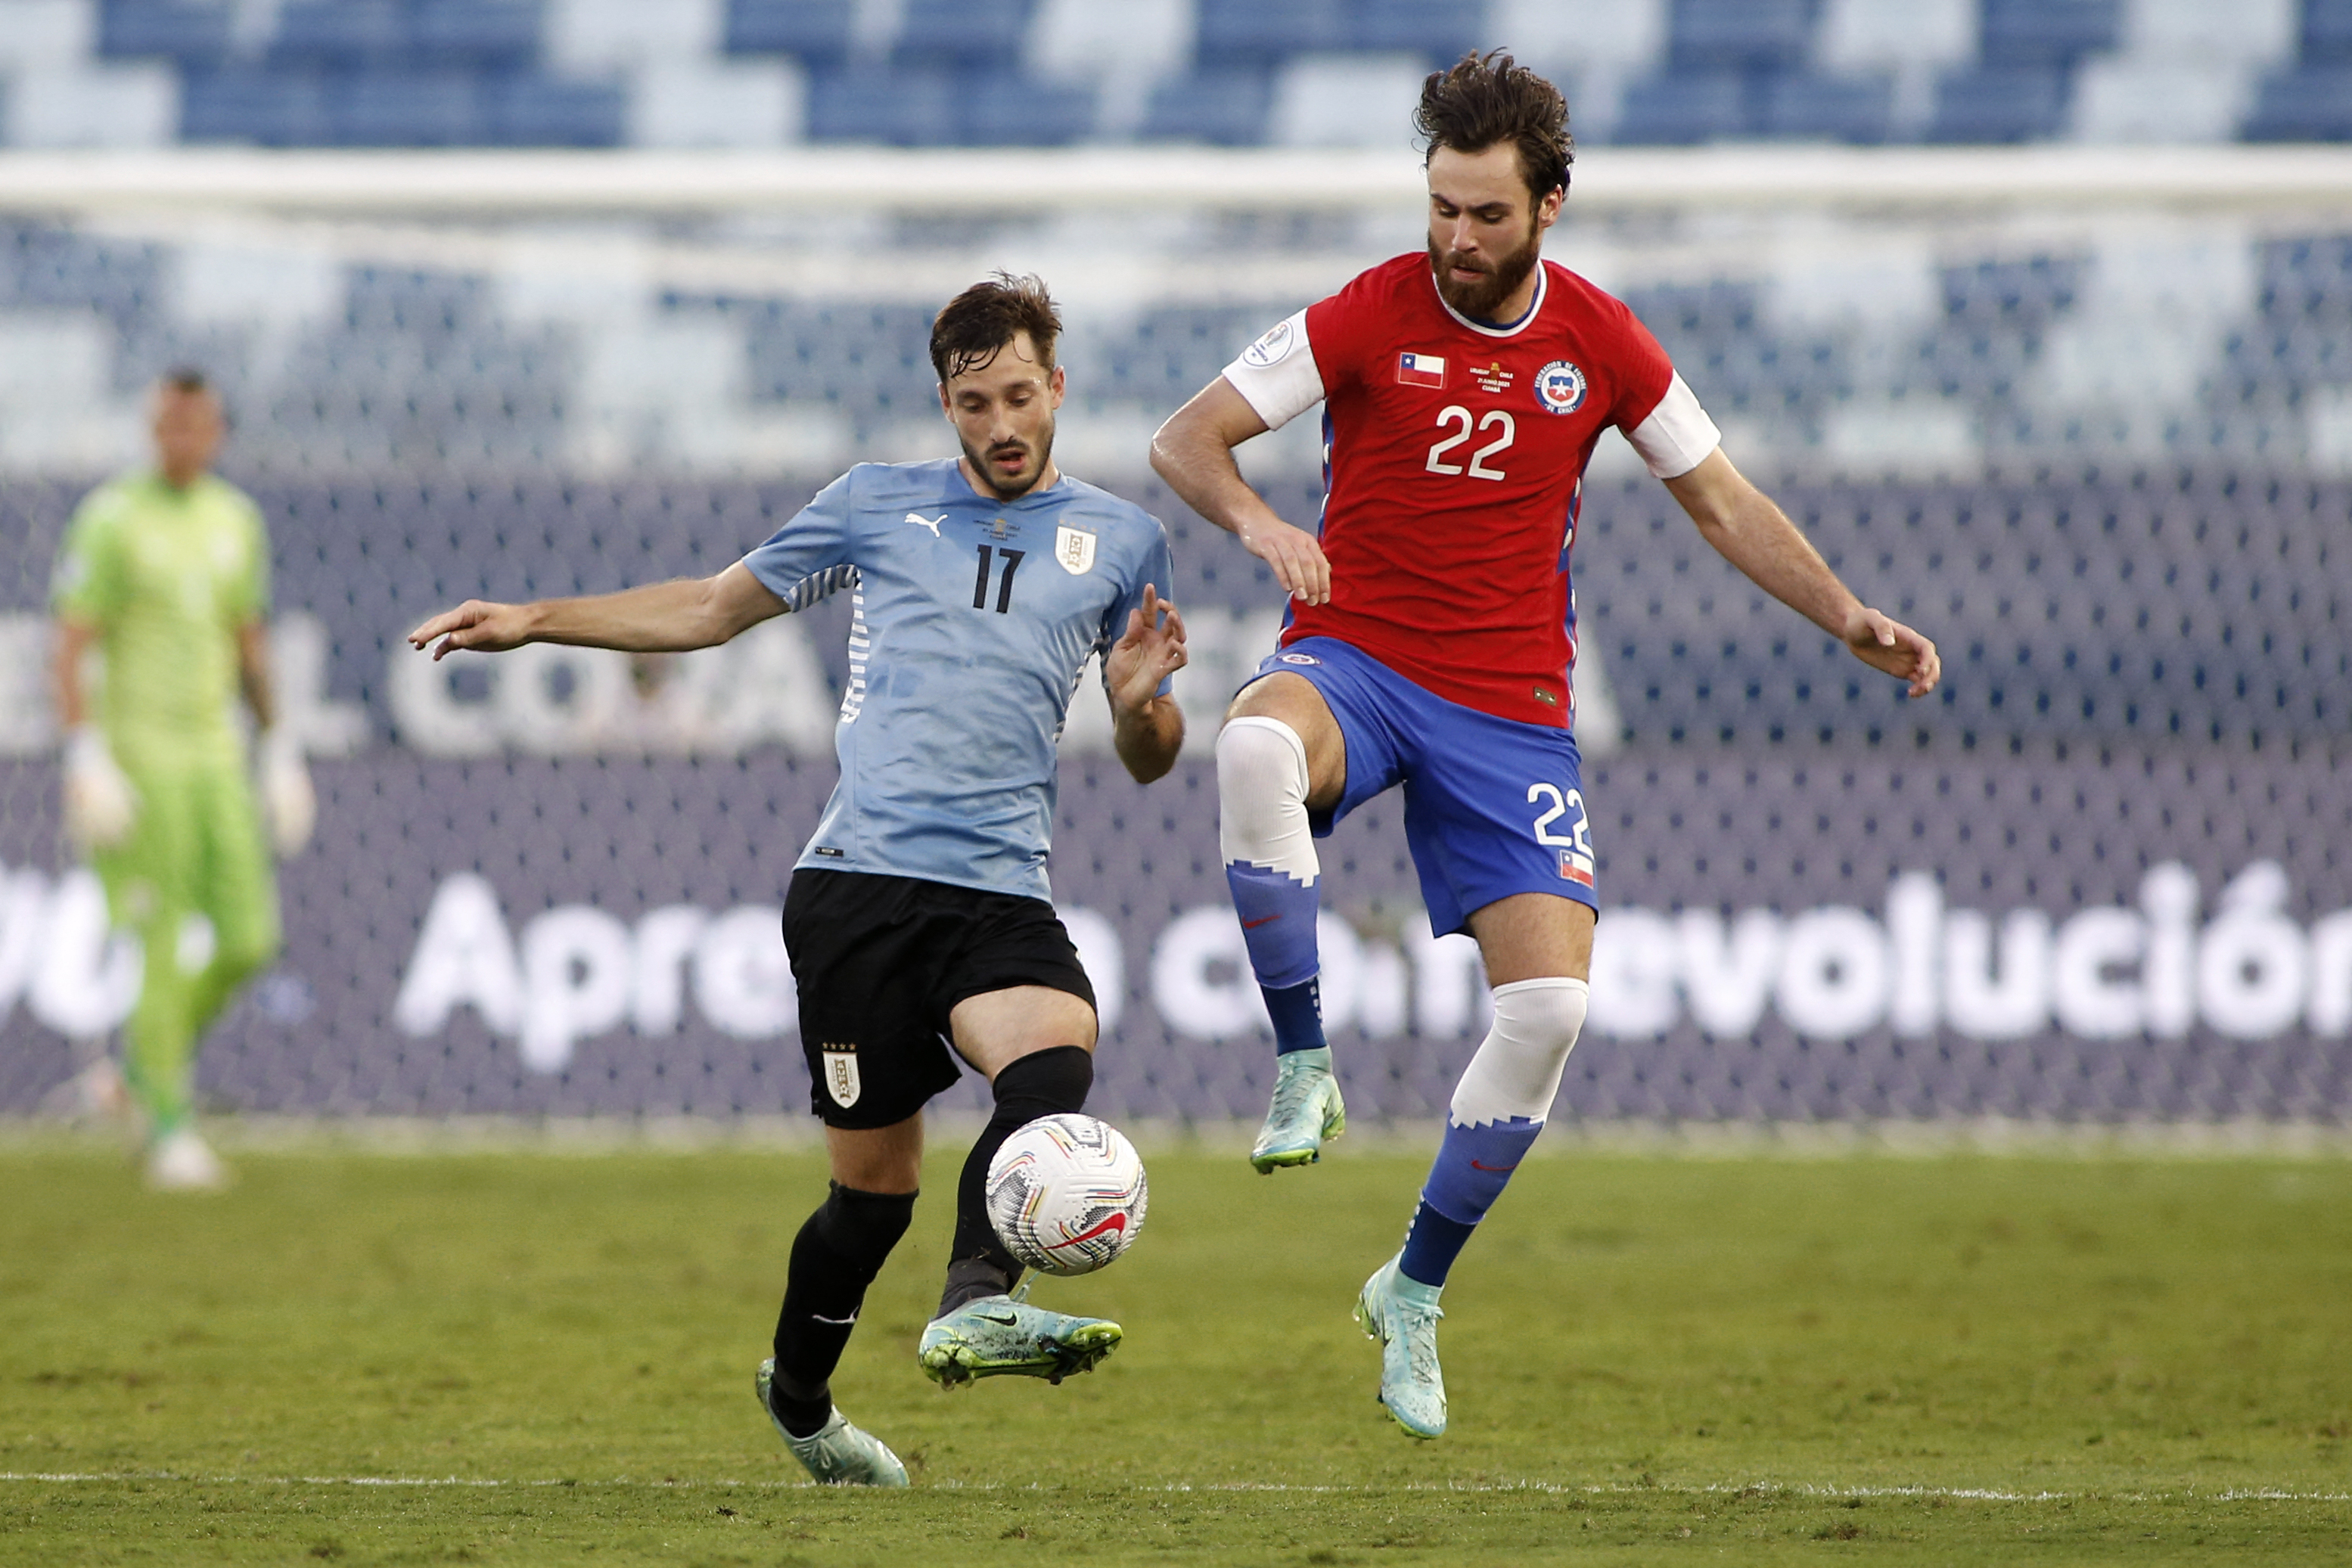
(165, 574)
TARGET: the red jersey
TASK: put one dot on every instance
(1453, 464)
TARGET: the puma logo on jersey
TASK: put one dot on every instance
(931, 523)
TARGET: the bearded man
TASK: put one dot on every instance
(1431, 632)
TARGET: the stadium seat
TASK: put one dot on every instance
(981, 34)
(898, 108)
(407, 108)
(996, 109)
(2048, 32)
(1439, 31)
(266, 109)
(1685, 106)
(1227, 108)
(1836, 109)
(496, 34)
(1740, 34)
(2326, 33)
(339, 32)
(2009, 103)
(1264, 32)
(194, 32)
(817, 31)
(544, 111)
(2313, 104)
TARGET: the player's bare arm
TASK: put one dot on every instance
(674, 617)
(1193, 451)
(1146, 730)
(74, 639)
(254, 672)
(1754, 535)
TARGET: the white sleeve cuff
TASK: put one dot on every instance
(1277, 375)
(1678, 436)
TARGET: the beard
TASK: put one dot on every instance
(1480, 298)
(983, 463)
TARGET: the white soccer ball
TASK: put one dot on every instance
(1066, 1194)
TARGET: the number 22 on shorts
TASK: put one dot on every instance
(1575, 848)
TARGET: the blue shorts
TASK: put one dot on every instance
(1492, 806)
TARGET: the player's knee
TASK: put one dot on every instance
(860, 1227)
(1045, 1083)
(1516, 1070)
(1262, 782)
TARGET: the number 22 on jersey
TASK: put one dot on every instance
(1455, 415)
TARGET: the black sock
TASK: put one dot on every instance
(834, 1257)
(1040, 1084)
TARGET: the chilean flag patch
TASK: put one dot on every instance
(1420, 371)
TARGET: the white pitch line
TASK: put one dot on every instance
(1971, 1494)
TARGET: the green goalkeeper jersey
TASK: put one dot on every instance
(168, 577)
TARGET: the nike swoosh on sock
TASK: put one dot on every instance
(1260, 920)
(837, 1322)
(1498, 1170)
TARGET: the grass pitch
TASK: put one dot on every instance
(539, 1358)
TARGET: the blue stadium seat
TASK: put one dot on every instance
(267, 108)
(407, 108)
(1740, 34)
(962, 33)
(195, 32)
(348, 32)
(898, 108)
(1264, 32)
(2326, 33)
(1439, 31)
(1684, 107)
(1000, 110)
(2313, 104)
(817, 31)
(545, 112)
(1836, 109)
(2009, 103)
(491, 33)
(2048, 32)
(1227, 108)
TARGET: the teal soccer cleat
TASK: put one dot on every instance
(997, 1335)
(840, 1454)
(1403, 1316)
(1306, 1109)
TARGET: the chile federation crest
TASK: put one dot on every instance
(1561, 387)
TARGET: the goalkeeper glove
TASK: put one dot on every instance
(286, 798)
(100, 803)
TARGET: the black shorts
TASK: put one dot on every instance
(881, 961)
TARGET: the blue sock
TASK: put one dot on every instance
(1297, 1014)
(1472, 1164)
(1431, 1245)
(1278, 914)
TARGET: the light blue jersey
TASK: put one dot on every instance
(974, 619)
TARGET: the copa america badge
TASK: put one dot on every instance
(1560, 387)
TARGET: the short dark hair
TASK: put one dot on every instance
(978, 323)
(185, 378)
(1484, 100)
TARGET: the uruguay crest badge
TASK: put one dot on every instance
(1074, 548)
(841, 1076)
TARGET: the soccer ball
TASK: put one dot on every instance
(1066, 1194)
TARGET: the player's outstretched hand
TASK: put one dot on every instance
(1151, 650)
(1890, 645)
(477, 624)
(1295, 555)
